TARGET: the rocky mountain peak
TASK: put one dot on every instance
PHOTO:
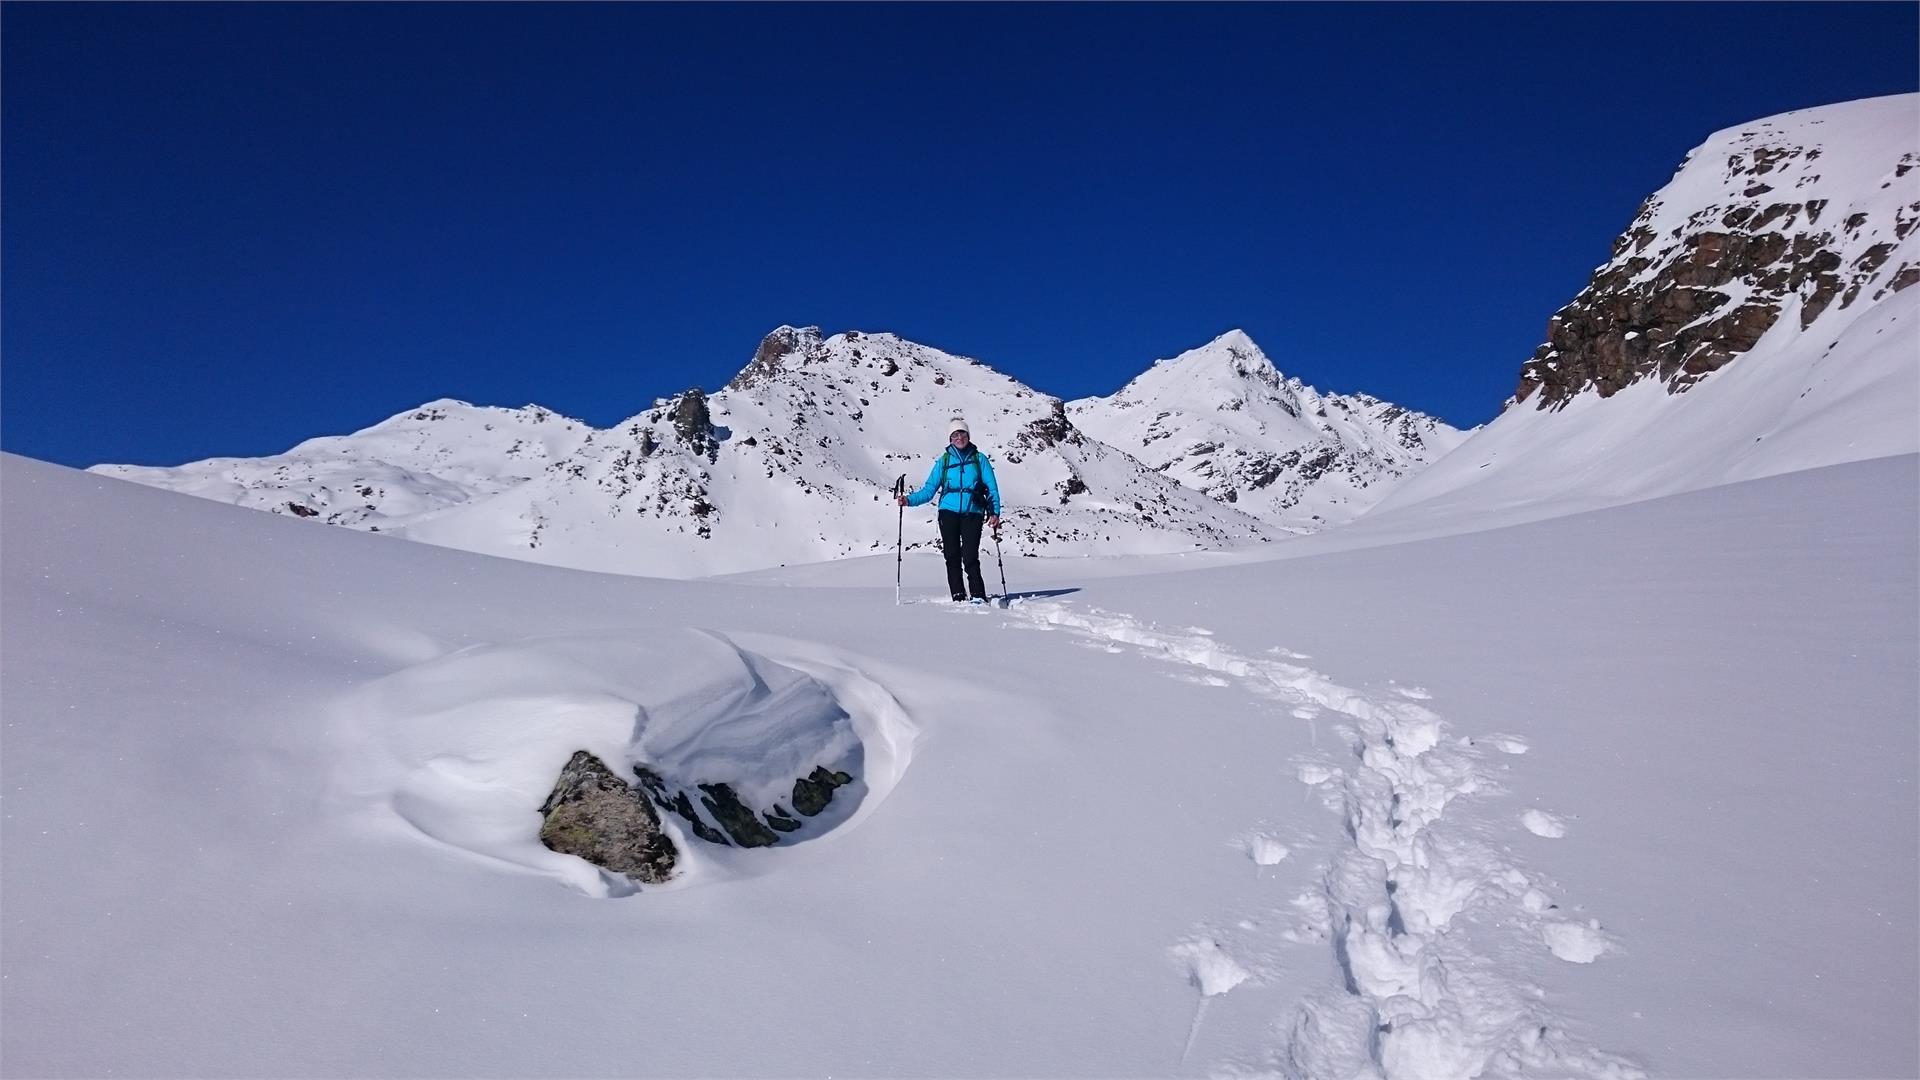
(1226, 361)
(782, 343)
(1221, 419)
(1795, 218)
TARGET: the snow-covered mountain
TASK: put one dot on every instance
(1755, 319)
(1221, 419)
(444, 453)
(793, 461)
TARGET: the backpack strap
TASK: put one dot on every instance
(948, 464)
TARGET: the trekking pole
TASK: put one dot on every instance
(899, 536)
(1002, 562)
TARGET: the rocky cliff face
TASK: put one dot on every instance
(1783, 222)
(1769, 281)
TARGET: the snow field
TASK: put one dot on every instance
(205, 842)
(1390, 896)
(346, 737)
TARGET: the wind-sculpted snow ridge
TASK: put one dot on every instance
(1431, 926)
(459, 751)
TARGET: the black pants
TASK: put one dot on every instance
(960, 540)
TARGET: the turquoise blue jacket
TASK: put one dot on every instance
(953, 477)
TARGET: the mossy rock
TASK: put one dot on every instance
(595, 815)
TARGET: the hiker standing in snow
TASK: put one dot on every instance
(962, 477)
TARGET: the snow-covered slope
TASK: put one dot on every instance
(1755, 319)
(441, 454)
(792, 462)
(1221, 419)
(270, 794)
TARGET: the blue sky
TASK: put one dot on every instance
(228, 227)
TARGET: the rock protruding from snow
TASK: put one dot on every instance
(596, 815)
(1794, 218)
(693, 423)
(800, 342)
(730, 820)
(1222, 420)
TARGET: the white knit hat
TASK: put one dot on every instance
(958, 423)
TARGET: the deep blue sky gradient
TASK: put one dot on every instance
(230, 227)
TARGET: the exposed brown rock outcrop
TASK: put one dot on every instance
(1677, 302)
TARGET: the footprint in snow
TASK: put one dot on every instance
(1209, 968)
(1212, 972)
(1264, 850)
(1315, 775)
(1541, 823)
(1576, 943)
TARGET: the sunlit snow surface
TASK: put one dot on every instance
(1631, 791)
(1589, 751)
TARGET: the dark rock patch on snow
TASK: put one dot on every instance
(594, 814)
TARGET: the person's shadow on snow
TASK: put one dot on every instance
(1032, 594)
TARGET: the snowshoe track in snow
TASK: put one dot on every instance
(1418, 913)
